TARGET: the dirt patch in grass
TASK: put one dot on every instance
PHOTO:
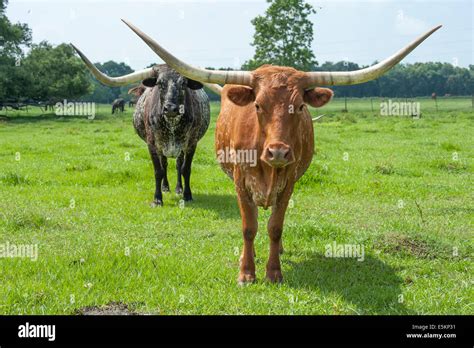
(451, 166)
(79, 167)
(396, 243)
(384, 168)
(112, 308)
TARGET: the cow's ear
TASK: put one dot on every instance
(149, 82)
(194, 84)
(136, 91)
(318, 97)
(241, 95)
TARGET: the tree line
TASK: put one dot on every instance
(408, 80)
(53, 73)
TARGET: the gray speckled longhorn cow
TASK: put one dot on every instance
(171, 117)
(172, 114)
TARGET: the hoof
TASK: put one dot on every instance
(156, 203)
(178, 190)
(188, 198)
(274, 276)
(165, 188)
(246, 278)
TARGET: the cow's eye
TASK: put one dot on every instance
(257, 107)
(301, 107)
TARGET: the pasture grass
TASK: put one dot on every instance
(80, 189)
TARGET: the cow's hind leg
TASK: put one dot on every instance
(179, 166)
(186, 170)
(159, 174)
(249, 214)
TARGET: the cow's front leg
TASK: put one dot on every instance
(179, 167)
(249, 214)
(159, 174)
(186, 170)
(165, 186)
(275, 230)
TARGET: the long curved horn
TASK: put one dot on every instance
(198, 74)
(115, 81)
(214, 88)
(329, 78)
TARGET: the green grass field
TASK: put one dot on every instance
(404, 192)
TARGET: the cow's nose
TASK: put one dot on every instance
(278, 155)
(171, 108)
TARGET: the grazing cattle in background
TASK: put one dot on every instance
(171, 116)
(433, 96)
(265, 111)
(118, 105)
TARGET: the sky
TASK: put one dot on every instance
(218, 33)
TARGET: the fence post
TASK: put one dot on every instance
(345, 104)
(472, 101)
(372, 104)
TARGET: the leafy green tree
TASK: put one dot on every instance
(54, 73)
(13, 38)
(283, 36)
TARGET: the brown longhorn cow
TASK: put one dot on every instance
(272, 119)
(265, 111)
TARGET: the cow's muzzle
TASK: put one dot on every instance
(278, 155)
(171, 110)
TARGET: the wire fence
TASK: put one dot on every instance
(379, 105)
(375, 105)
